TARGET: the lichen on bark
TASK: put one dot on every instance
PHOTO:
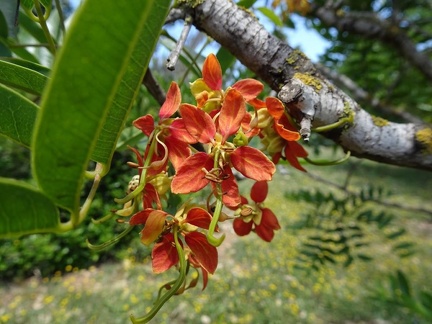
(424, 137)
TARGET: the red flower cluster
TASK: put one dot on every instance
(223, 126)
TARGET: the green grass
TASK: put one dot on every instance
(256, 282)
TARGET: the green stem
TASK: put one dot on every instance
(44, 26)
(348, 119)
(178, 283)
(77, 219)
(142, 184)
(326, 163)
(218, 209)
(102, 246)
(103, 219)
(61, 16)
(210, 234)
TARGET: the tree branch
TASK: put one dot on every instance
(310, 94)
(359, 94)
(371, 26)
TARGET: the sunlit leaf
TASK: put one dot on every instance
(95, 79)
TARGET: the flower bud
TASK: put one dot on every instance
(240, 139)
(161, 183)
(264, 118)
(276, 145)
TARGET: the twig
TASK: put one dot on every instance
(153, 87)
(174, 56)
(61, 16)
(42, 22)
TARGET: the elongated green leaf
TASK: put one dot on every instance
(27, 64)
(246, 3)
(22, 78)
(8, 14)
(17, 116)
(270, 14)
(24, 210)
(19, 51)
(94, 81)
(133, 75)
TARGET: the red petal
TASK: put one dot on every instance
(199, 217)
(232, 113)
(249, 88)
(178, 130)
(275, 107)
(231, 196)
(242, 228)
(178, 151)
(153, 226)
(189, 176)
(257, 103)
(259, 191)
(150, 196)
(205, 278)
(298, 150)
(252, 163)
(198, 123)
(212, 72)
(269, 223)
(204, 252)
(195, 263)
(140, 217)
(158, 160)
(292, 158)
(164, 254)
(172, 101)
(285, 133)
(139, 158)
(145, 124)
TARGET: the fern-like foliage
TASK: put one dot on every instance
(339, 227)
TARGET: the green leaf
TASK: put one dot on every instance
(25, 210)
(27, 64)
(95, 78)
(19, 51)
(8, 14)
(225, 58)
(403, 283)
(270, 14)
(22, 78)
(246, 3)
(17, 116)
(4, 29)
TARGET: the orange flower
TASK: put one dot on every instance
(170, 131)
(202, 168)
(256, 218)
(282, 137)
(157, 228)
(208, 89)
